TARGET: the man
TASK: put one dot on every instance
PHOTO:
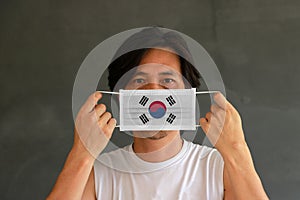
(173, 168)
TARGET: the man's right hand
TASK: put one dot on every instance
(93, 126)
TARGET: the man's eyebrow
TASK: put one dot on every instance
(140, 73)
(168, 73)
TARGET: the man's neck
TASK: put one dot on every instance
(158, 149)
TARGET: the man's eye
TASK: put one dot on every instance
(168, 80)
(139, 80)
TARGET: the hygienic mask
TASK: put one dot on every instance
(163, 109)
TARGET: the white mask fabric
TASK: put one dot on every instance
(163, 109)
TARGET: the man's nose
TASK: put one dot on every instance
(152, 86)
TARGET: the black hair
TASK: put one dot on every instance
(152, 37)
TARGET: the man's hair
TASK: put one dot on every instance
(124, 62)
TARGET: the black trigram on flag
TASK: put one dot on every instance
(171, 118)
(143, 100)
(144, 118)
(170, 100)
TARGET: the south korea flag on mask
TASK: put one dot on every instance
(164, 109)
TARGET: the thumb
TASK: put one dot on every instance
(91, 101)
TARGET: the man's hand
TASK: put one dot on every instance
(93, 126)
(93, 129)
(223, 126)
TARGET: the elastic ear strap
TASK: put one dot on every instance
(108, 92)
(202, 92)
(207, 92)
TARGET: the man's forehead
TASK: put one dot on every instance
(159, 58)
(156, 68)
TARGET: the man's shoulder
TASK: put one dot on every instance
(202, 151)
(115, 159)
(119, 152)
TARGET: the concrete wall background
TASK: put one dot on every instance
(255, 44)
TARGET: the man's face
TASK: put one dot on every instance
(158, 69)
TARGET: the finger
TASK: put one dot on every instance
(111, 124)
(214, 108)
(218, 112)
(204, 124)
(208, 116)
(104, 119)
(100, 109)
(220, 100)
(91, 101)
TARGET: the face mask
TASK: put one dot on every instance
(166, 109)
(157, 109)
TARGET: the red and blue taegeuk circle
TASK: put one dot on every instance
(157, 109)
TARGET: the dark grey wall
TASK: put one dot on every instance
(42, 44)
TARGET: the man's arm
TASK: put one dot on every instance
(240, 178)
(93, 129)
(223, 127)
(72, 181)
(89, 191)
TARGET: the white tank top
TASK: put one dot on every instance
(196, 172)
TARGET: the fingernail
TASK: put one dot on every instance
(217, 95)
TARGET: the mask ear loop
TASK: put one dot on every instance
(108, 92)
(204, 92)
(112, 93)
